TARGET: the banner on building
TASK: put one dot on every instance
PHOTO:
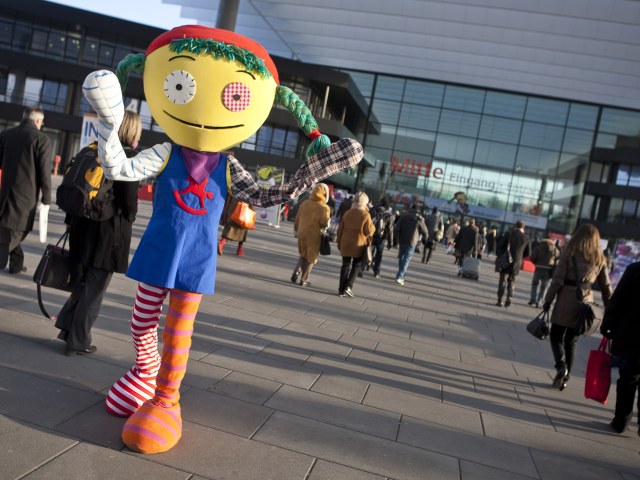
(268, 176)
(89, 133)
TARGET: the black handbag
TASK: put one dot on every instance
(325, 244)
(54, 270)
(590, 315)
(539, 326)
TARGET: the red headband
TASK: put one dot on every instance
(218, 35)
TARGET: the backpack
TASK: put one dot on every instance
(85, 191)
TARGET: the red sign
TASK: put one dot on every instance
(415, 167)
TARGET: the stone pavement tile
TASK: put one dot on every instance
(285, 353)
(245, 302)
(358, 343)
(246, 387)
(266, 368)
(423, 408)
(332, 471)
(306, 338)
(476, 471)
(374, 375)
(439, 352)
(200, 347)
(91, 461)
(91, 373)
(488, 362)
(219, 455)
(24, 446)
(501, 406)
(202, 375)
(466, 446)
(221, 412)
(343, 328)
(568, 446)
(445, 350)
(396, 328)
(502, 390)
(28, 327)
(286, 315)
(356, 450)
(630, 476)
(225, 338)
(554, 466)
(335, 411)
(393, 351)
(340, 386)
(241, 321)
(95, 425)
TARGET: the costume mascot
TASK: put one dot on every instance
(209, 90)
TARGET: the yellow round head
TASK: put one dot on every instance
(200, 98)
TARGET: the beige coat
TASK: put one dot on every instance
(355, 232)
(565, 311)
(313, 216)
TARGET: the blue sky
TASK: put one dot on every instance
(148, 12)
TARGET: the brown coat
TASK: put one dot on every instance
(313, 216)
(565, 311)
(232, 231)
(355, 232)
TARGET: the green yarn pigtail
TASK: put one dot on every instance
(304, 119)
(134, 62)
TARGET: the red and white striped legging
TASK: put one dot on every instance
(139, 383)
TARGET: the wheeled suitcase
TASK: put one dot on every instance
(471, 268)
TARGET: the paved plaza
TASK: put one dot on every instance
(424, 381)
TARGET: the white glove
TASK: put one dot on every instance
(103, 92)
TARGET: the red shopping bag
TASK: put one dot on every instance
(244, 216)
(598, 375)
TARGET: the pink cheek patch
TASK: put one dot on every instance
(236, 96)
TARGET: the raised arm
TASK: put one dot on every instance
(103, 93)
(343, 154)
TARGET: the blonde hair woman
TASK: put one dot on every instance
(354, 234)
(591, 266)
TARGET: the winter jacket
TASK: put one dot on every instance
(621, 321)
(355, 232)
(434, 224)
(545, 254)
(519, 247)
(313, 216)
(105, 245)
(563, 288)
(466, 240)
(409, 227)
(25, 159)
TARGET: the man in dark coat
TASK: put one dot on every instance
(25, 159)
(435, 225)
(465, 242)
(408, 229)
(622, 324)
(518, 244)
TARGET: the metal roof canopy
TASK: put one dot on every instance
(585, 50)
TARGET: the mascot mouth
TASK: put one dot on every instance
(208, 127)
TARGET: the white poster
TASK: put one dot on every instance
(89, 132)
(267, 176)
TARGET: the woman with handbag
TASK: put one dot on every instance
(312, 218)
(355, 234)
(231, 230)
(98, 249)
(590, 267)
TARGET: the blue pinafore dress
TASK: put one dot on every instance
(178, 248)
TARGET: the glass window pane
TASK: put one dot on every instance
(90, 51)
(459, 123)
(577, 141)
(72, 47)
(390, 88)
(500, 129)
(419, 117)
(32, 89)
(386, 111)
(39, 41)
(455, 148)
(629, 208)
(536, 160)
(384, 138)
(56, 44)
(364, 82)
(604, 140)
(6, 32)
(106, 55)
(49, 94)
(21, 36)
(615, 208)
(145, 115)
(423, 93)
(622, 178)
(620, 122)
(634, 177)
(582, 116)
(595, 172)
(505, 105)
(495, 154)
(416, 141)
(541, 136)
(461, 98)
(547, 111)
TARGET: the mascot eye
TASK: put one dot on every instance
(236, 96)
(180, 87)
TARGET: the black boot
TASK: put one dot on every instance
(561, 379)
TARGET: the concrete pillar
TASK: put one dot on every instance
(227, 14)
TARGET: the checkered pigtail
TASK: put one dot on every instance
(304, 119)
(134, 62)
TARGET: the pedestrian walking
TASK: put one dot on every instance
(544, 256)
(231, 230)
(99, 248)
(591, 266)
(355, 233)
(312, 218)
(465, 243)
(408, 230)
(435, 227)
(518, 245)
(492, 237)
(26, 161)
(383, 223)
(622, 325)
